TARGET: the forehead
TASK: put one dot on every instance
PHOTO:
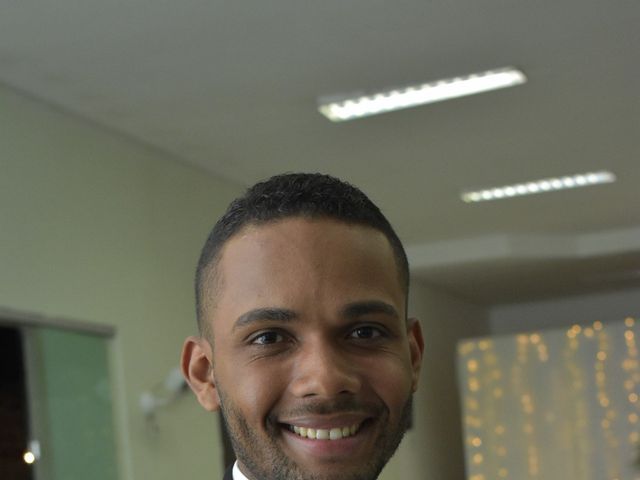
(298, 241)
(300, 260)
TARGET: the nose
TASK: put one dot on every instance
(323, 370)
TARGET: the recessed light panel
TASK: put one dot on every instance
(414, 95)
(538, 186)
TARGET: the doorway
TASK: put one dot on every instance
(13, 406)
(55, 400)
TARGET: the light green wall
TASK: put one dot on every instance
(97, 228)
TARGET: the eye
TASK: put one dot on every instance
(366, 333)
(267, 338)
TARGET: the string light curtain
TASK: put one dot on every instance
(553, 405)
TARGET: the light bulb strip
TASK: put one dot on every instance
(414, 95)
(538, 186)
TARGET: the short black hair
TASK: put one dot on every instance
(310, 195)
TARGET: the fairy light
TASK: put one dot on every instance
(472, 365)
(472, 404)
(630, 366)
(543, 352)
(521, 390)
(527, 411)
(472, 422)
(475, 441)
(578, 421)
(466, 348)
(474, 384)
(494, 393)
(606, 402)
(484, 388)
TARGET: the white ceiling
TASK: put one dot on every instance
(232, 86)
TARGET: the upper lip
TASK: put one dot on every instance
(326, 422)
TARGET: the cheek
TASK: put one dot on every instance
(255, 389)
(391, 381)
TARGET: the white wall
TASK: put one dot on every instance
(565, 311)
(433, 449)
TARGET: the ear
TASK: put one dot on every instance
(416, 348)
(197, 368)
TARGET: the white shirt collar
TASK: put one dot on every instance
(237, 474)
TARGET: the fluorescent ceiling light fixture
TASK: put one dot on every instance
(386, 101)
(539, 186)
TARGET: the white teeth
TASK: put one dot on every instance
(325, 434)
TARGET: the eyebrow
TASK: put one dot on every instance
(359, 309)
(352, 311)
(264, 314)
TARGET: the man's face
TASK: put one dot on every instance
(314, 364)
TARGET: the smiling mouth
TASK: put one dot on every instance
(325, 434)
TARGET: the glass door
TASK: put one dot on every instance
(71, 418)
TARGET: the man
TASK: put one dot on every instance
(305, 345)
